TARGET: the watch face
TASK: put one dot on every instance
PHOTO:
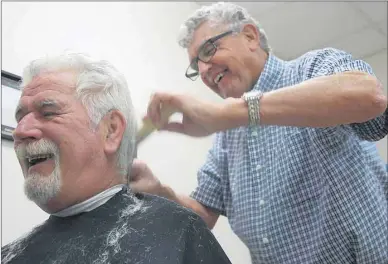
(251, 94)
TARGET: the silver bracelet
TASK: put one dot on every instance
(253, 101)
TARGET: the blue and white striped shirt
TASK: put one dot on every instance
(299, 194)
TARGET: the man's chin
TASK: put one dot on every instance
(37, 197)
(41, 189)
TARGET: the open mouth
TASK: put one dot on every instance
(36, 159)
(219, 76)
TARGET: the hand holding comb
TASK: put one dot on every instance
(148, 127)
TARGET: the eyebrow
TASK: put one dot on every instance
(47, 103)
(198, 49)
(201, 45)
(212, 39)
(19, 112)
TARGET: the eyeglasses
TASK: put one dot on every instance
(205, 54)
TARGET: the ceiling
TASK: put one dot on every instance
(294, 28)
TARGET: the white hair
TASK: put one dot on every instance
(220, 14)
(100, 88)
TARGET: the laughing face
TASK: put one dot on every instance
(54, 141)
(232, 70)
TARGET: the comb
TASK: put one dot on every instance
(147, 128)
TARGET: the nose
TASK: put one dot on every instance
(28, 128)
(203, 67)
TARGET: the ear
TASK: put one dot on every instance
(114, 127)
(252, 35)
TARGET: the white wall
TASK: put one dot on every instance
(140, 40)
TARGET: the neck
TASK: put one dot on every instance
(85, 190)
(257, 65)
(91, 203)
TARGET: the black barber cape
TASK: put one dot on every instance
(126, 229)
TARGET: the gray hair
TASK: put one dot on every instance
(100, 88)
(231, 15)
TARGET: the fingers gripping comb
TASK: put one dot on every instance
(148, 127)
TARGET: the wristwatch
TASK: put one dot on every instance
(252, 99)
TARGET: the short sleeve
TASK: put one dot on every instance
(332, 61)
(209, 191)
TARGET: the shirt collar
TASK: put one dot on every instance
(91, 203)
(271, 74)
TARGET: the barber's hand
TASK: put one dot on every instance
(199, 118)
(143, 180)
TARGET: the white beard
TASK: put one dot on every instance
(41, 188)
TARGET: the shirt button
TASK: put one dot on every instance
(261, 202)
(265, 240)
(254, 133)
(258, 167)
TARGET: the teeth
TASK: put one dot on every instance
(218, 77)
(43, 156)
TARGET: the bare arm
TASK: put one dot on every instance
(208, 215)
(344, 98)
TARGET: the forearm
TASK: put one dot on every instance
(206, 214)
(321, 102)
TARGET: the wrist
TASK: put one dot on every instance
(167, 192)
(253, 99)
(235, 113)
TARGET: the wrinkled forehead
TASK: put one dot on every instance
(205, 31)
(48, 89)
(62, 82)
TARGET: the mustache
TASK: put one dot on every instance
(39, 147)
